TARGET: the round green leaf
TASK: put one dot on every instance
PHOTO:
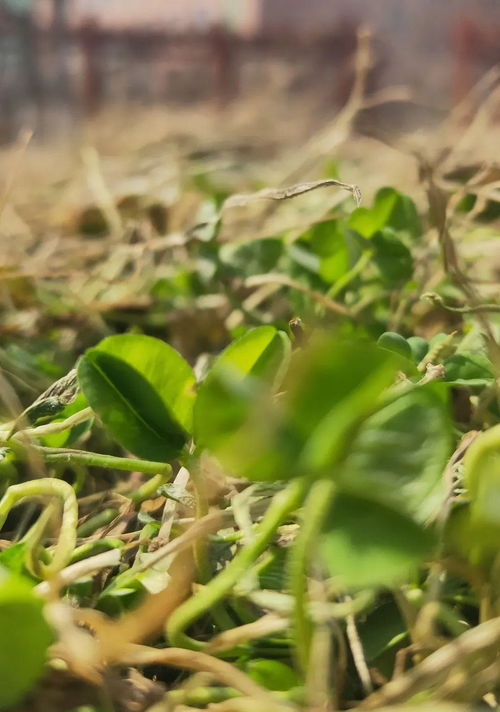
(395, 342)
(25, 637)
(419, 347)
(143, 391)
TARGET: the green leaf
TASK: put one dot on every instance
(143, 391)
(392, 258)
(272, 674)
(261, 352)
(403, 215)
(334, 385)
(368, 544)
(398, 455)
(14, 556)
(329, 388)
(482, 479)
(419, 347)
(383, 628)
(252, 257)
(327, 241)
(390, 209)
(260, 356)
(469, 368)
(26, 635)
(395, 342)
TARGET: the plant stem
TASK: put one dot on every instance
(92, 548)
(219, 614)
(315, 509)
(92, 459)
(101, 519)
(48, 487)
(282, 505)
(346, 278)
(55, 427)
(148, 489)
(34, 536)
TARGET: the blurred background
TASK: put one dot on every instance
(64, 61)
(124, 124)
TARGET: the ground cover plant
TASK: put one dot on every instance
(250, 451)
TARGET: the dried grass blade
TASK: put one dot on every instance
(292, 191)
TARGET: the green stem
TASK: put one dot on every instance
(91, 548)
(315, 509)
(283, 504)
(92, 459)
(219, 614)
(101, 519)
(347, 278)
(34, 536)
(48, 487)
(55, 427)
(149, 488)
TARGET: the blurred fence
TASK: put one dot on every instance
(73, 72)
(97, 67)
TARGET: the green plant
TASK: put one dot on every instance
(295, 512)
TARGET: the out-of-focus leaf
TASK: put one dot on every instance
(383, 628)
(253, 257)
(259, 356)
(14, 556)
(419, 347)
(482, 479)
(469, 368)
(398, 456)
(328, 241)
(272, 674)
(367, 544)
(26, 635)
(395, 342)
(392, 257)
(390, 209)
(328, 389)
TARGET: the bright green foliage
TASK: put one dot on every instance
(143, 391)
(25, 637)
(336, 465)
